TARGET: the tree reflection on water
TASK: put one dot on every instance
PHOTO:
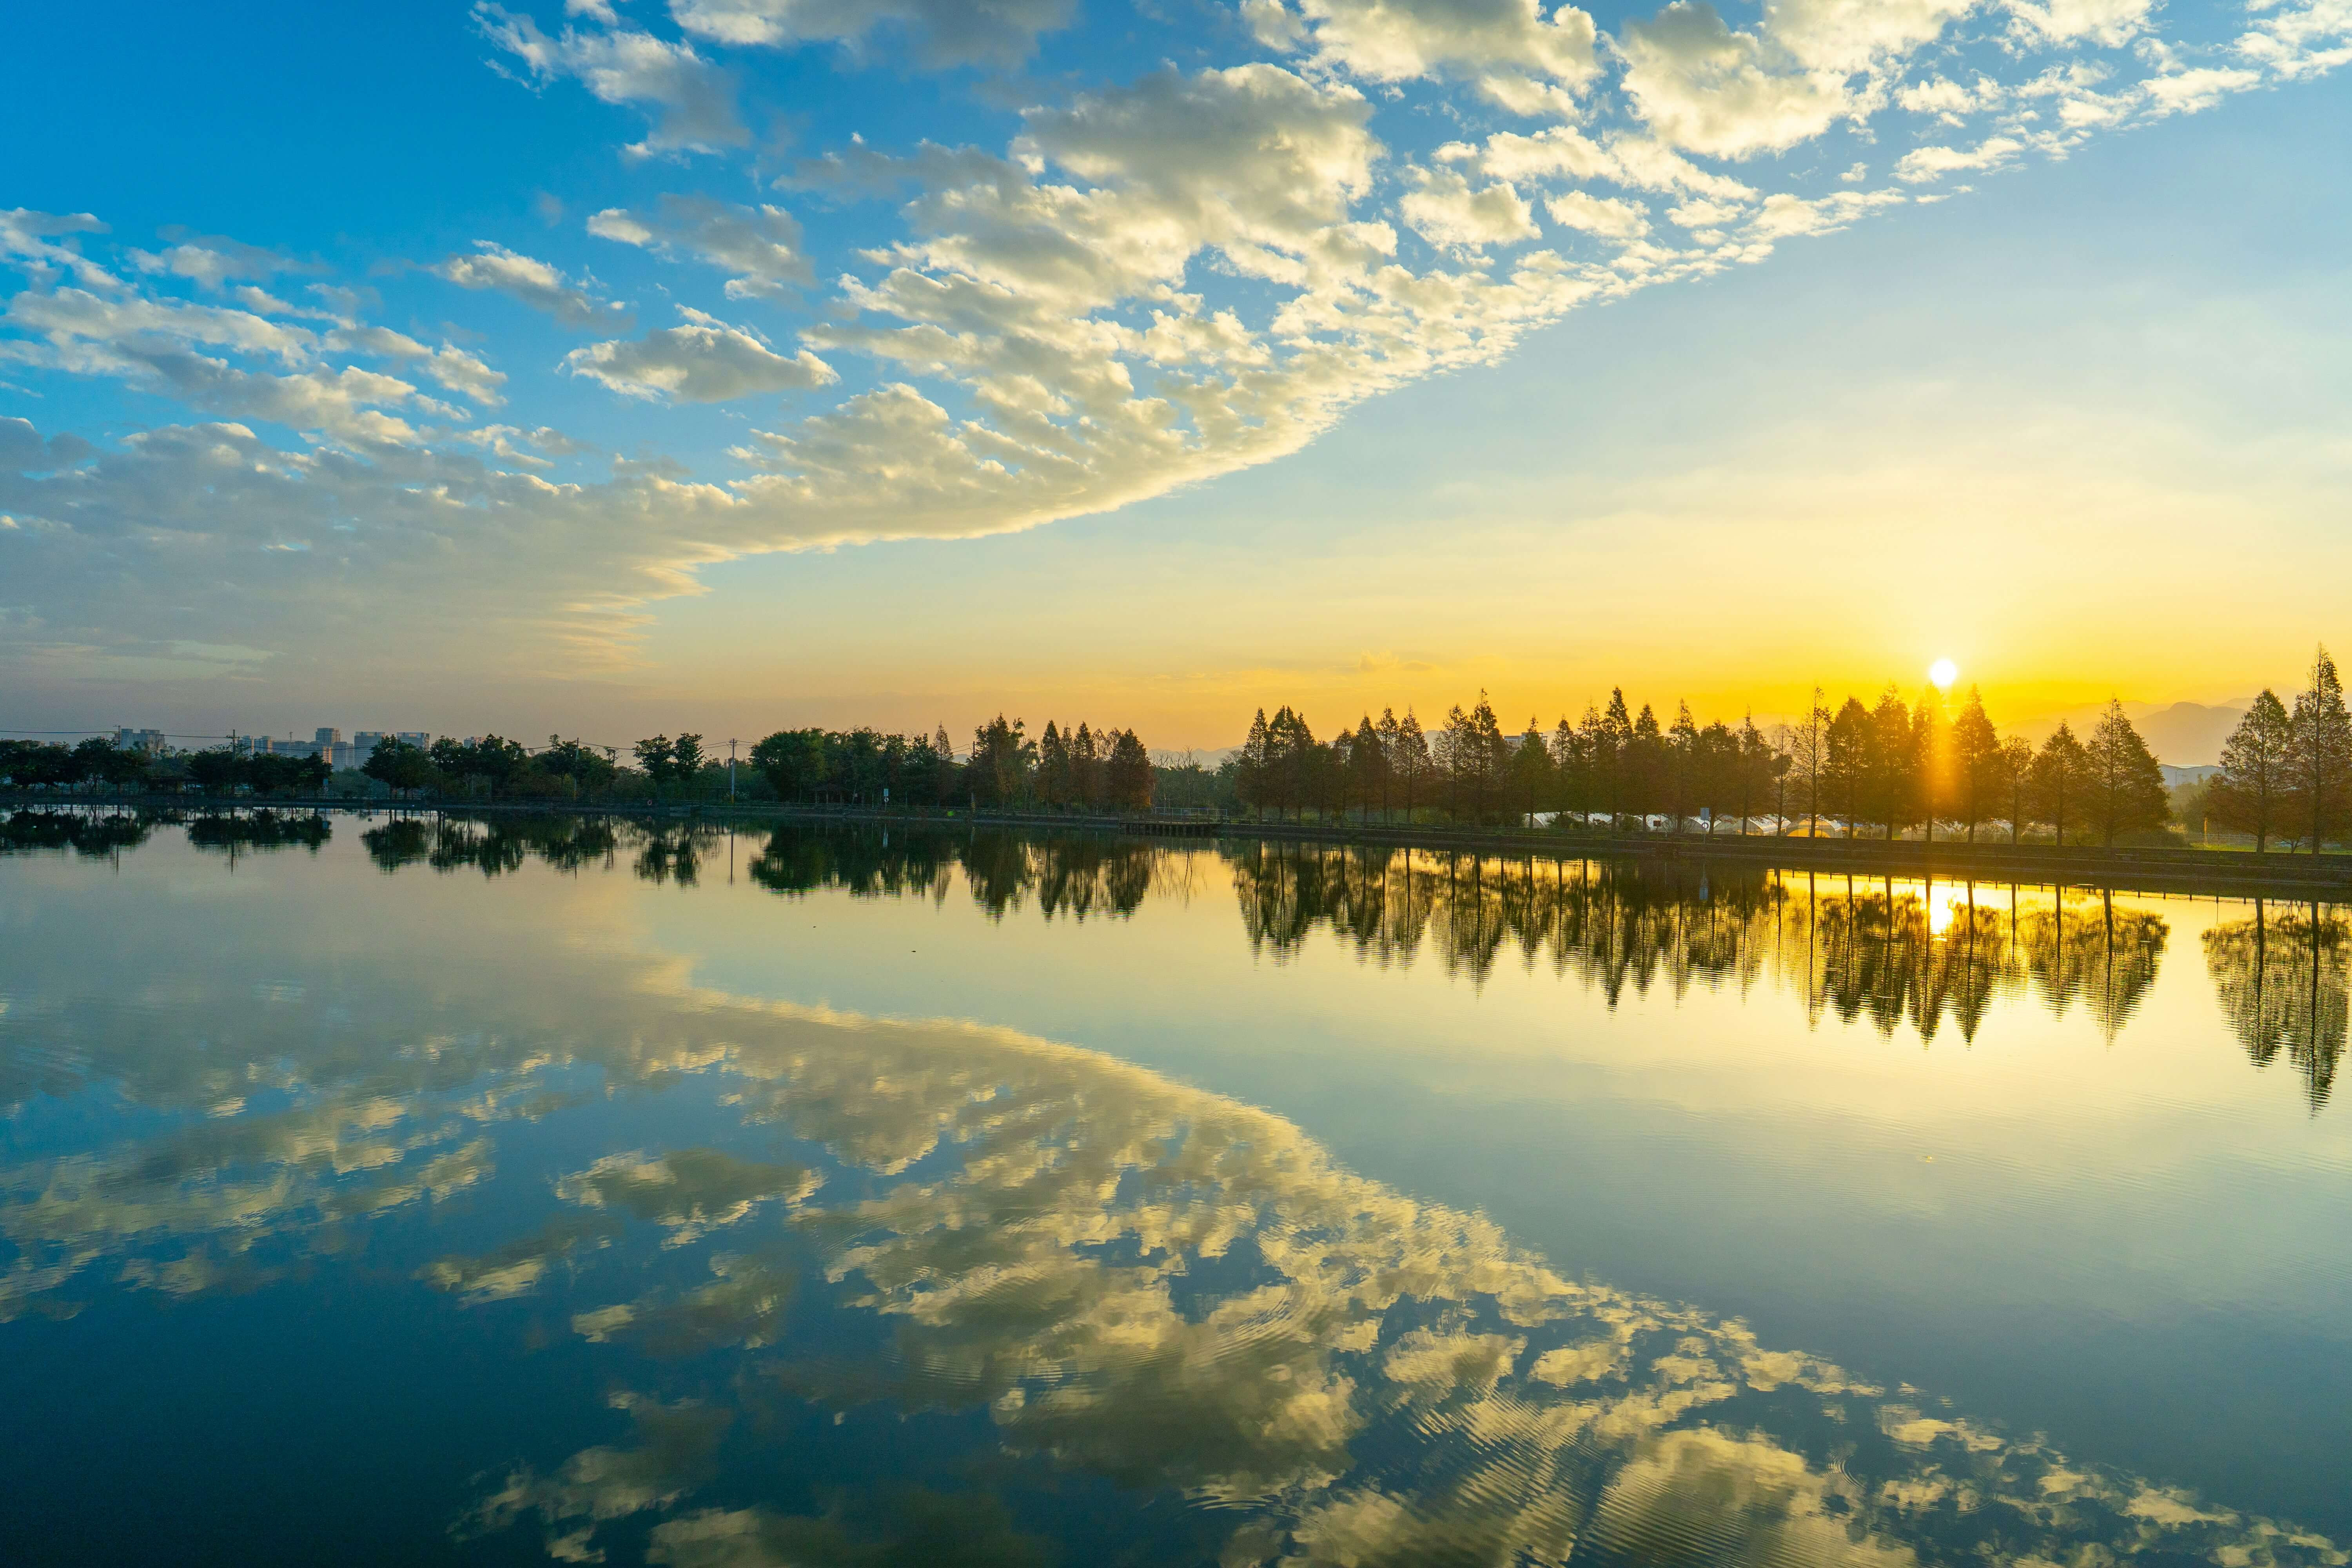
(2282, 976)
(1926, 956)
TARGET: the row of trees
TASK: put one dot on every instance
(99, 764)
(2287, 772)
(94, 761)
(492, 764)
(1886, 767)
(1060, 770)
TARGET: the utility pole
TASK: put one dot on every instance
(730, 772)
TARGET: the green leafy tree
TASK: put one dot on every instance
(401, 767)
(686, 760)
(584, 770)
(492, 761)
(1003, 759)
(217, 771)
(792, 761)
(2125, 794)
(656, 756)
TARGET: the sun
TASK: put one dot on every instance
(1943, 672)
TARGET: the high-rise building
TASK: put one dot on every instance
(413, 737)
(326, 738)
(151, 741)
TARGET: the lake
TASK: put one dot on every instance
(381, 1191)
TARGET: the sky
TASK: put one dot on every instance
(734, 365)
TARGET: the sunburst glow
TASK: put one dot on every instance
(1943, 672)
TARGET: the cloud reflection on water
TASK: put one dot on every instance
(1127, 1282)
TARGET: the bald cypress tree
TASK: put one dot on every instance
(2320, 755)
(2126, 787)
(1391, 756)
(1086, 768)
(1253, 765)
(2061, 773)
(1531, 773)
(1127, 773)
(1411, 764)
(1368, 767)
(2252, 793)
(1681, 768)
(1892, 748)
(1974, 749)
(1054, 783)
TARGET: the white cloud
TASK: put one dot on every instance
(212, 262)
(451, 366)
(705, 361)
(1925, 163)
(2186, 92)
(1707, 89)
(2295, 41)
(26, 235)
(944, 32)
(1504, 42)
(531, 281)
(1154, 283)
(1784, 217)
(760, 246)
(1944, 97)
(1443, 210)
(691, 100)
(2108, 21)
(77, 323)
(1610, 216)
(1564, 152)
(1703, 214)
(1851, 35)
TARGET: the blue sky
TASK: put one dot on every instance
(734, 363)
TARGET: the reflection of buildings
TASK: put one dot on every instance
(2282, 977)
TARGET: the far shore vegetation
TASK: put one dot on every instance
(1933, 767)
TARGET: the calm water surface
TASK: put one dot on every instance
(382, 1192)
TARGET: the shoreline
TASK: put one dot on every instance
(2152, 868)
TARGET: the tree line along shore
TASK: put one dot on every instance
(1933, 767)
